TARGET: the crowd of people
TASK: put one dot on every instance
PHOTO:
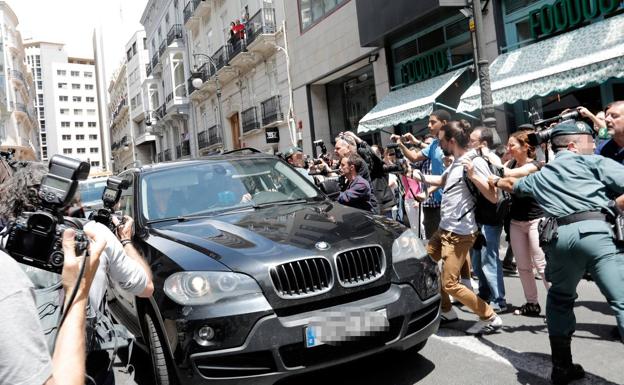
(562, 195)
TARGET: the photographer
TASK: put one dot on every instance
(24, 357)
(294, 156)
(119, 262)
(358, 192)
(575, 191)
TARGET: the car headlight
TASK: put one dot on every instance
(207, 287)
(408, 245)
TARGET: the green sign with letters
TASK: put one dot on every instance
(425, 66)
(563, 15)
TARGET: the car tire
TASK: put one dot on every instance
(157, 353)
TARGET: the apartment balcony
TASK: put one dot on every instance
(174, 34)
(272, 111)
(260, 31)
(206, 73)
(156, 66)
(249, 118)
(209, 138)
(239, 56)
(191, 21)
(144, 137)
(148, 69)
(201, 8)
(224, 71)
(161, 112)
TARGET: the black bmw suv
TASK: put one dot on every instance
(258, 275)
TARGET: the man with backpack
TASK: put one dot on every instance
(484, 256)
(458, 228)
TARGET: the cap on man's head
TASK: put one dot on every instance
(290, 151)
(571, 127)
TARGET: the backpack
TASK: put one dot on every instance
(486, 212)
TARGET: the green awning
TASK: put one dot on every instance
(591, 54)
(408, 104)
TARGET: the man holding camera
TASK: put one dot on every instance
(357, 192)
(24, 357)
(294, 156)
(580, 194)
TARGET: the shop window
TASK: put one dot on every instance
(431, 40)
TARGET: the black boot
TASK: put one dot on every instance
(564, 371)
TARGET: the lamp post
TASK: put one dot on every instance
(483, 68)
(197, 83)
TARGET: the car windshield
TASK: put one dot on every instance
(91, 190)
(221, 185)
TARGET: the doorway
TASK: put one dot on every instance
(235, 131)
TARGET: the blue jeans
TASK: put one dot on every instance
(488, 268)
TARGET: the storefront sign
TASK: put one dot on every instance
(425, 66)
(563, 15)
(272, 135)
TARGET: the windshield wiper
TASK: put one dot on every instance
(280, 203)
(190, 217)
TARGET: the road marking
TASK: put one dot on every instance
(537, 365)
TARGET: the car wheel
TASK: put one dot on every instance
(157, 352)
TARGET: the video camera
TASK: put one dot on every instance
(400, 164)
(543, 134)
(34, 238)
(110, 198)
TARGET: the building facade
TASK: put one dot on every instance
(239, 86)
(67, 103)
(133, 142)
(19, 126)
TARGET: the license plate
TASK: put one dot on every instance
(336, 327)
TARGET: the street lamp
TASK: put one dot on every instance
(482, 65)
(197, 83)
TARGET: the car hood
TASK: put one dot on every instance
(250, 240)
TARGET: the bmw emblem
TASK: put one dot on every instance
(322, 245)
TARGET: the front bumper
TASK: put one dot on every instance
(275, 347)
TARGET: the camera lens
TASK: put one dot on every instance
(57, 258)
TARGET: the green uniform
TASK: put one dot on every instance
(574, 183)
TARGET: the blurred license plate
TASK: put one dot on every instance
(336, 327)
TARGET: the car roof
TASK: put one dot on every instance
(170, 165)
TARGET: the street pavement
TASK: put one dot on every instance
(518, 354)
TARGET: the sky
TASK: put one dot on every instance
(72, 22)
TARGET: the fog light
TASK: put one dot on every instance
(205, 334)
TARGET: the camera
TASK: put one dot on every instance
(321, 144)
(110, 198)
(543, 135)
(400, 164)
(34, 238)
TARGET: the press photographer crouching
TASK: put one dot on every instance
(34, 239)
(581, 194)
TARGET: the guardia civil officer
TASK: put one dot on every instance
(574, 190)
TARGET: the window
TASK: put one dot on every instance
(78, 124)
(61, 72)
(80, 137)
(76, 99)
(81, 150)
(77, 111)
(39, 84)
(75, 73)
(64, 111)
(129, 54)
(63, 98)
(62, 86)
(75, 86)
(95, 164)
(64, 124)
(88, 86)
(66, 137)
(90, 112)
(90, 99)
(91, 124)
(93, 137)
(312, 11)
(67, 151)
(134, 48)
(94, 150)
(88, 74)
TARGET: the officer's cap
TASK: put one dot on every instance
(571, 127)
(290, 151)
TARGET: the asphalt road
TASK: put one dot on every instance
(518, 354)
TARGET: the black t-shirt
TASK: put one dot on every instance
(524, 208)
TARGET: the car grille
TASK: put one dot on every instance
(360, 266)
(302, 278)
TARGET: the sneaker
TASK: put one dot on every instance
(499, 308)
(448, 316)
(486, 327)
(529, 310)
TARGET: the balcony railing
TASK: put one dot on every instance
(154, 60)
(250, 119)
(162, 111)
(148, 69)
(162, 48)
(174, 33)
(208, 137)
(169, 97)
(262, 22)
(220, 57)
(235, 47)
(271, 110)
(167, 155)
(188, 11)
